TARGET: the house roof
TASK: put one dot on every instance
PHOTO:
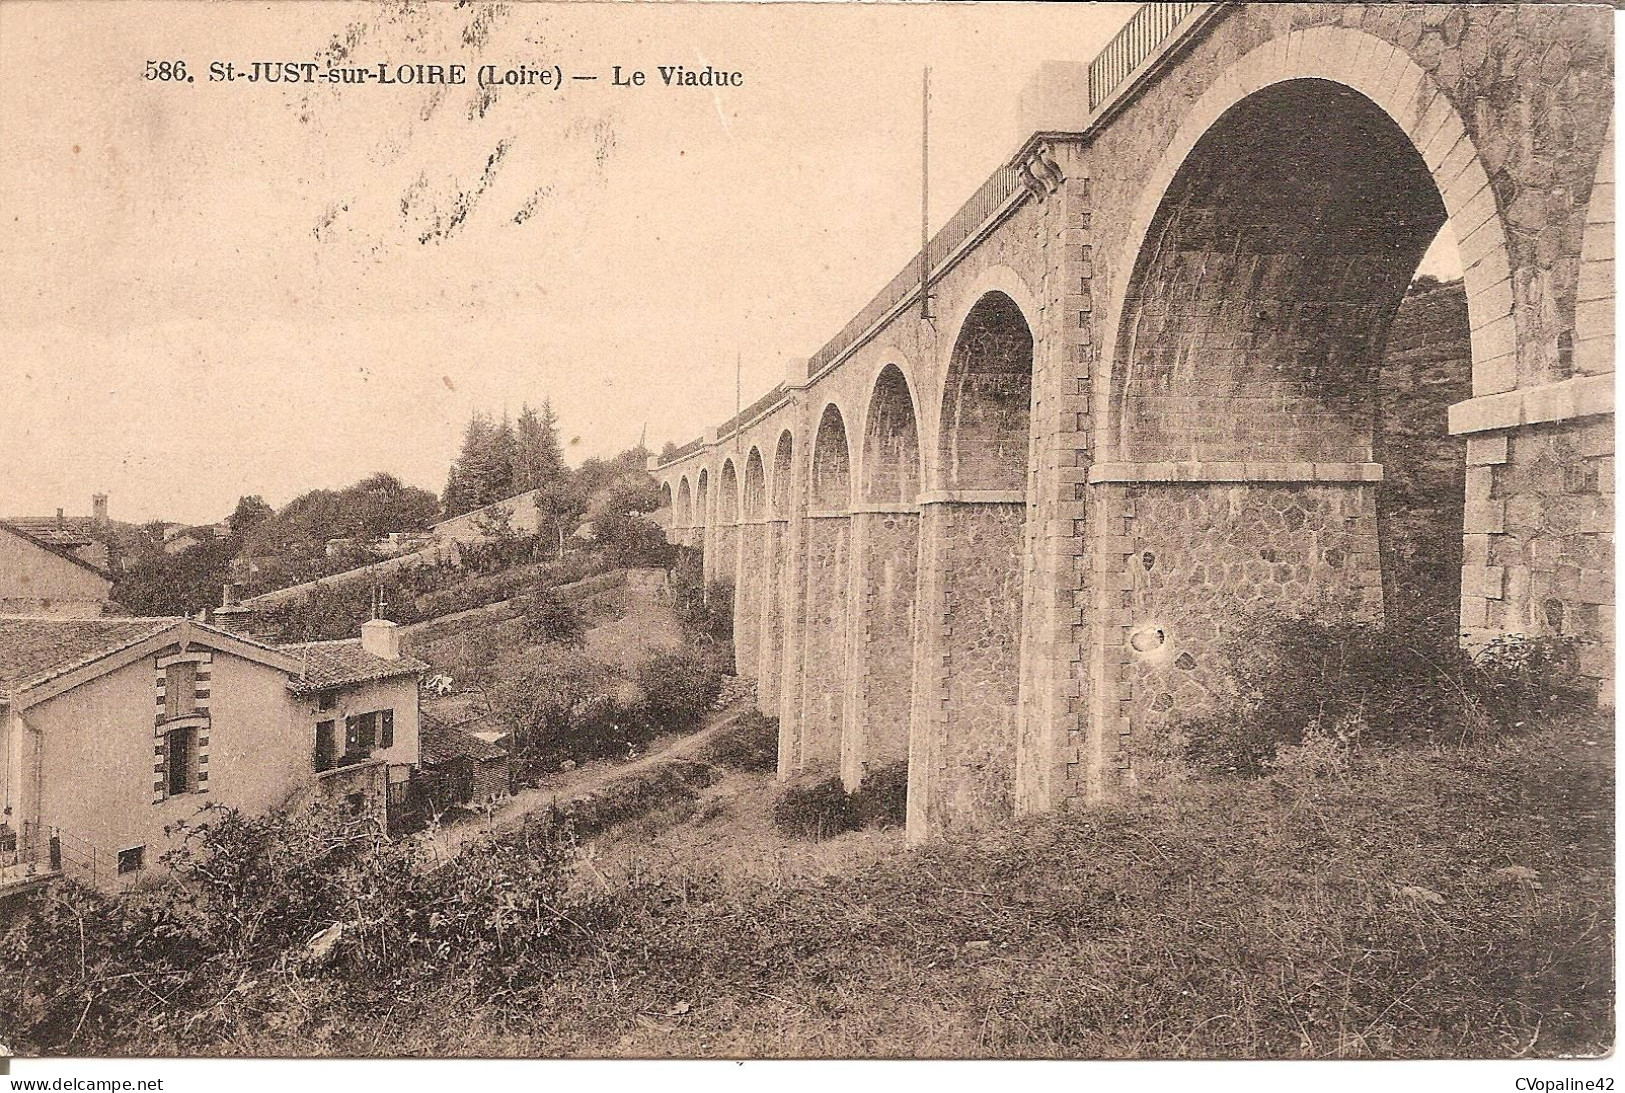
(441, 743)
(329, 664)
(62, 548)
(35, 651)
(69, 531)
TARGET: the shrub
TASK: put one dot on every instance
(814, 810)
(750, 743)
(250, 905)
(634, 796)
(705, 609)
(679, 686)
(560, 704)
(1289, 679)
(882, 798)
(552, 619)
(823, 809)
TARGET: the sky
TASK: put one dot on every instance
(213, 289)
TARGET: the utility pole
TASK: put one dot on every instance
(925, 199)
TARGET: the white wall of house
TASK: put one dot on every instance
(99, 763)
(34, 581)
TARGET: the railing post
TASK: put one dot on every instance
(56, 851)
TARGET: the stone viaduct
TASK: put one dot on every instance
(1004, 543)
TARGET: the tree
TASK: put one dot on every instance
(550, 619)
(471, 471)
(251, 511)
(538, 456)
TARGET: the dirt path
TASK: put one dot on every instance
(509, 813)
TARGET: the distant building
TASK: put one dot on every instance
(113, 729)
(184, 538)
(39, 577)
(87, 538)
(464, 768)
(521, 513)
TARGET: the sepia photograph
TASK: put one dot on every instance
(818, 531)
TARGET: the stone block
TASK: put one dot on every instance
(1487, 581)
(1594, 356)
(1480, 481)
(1494, 339)
(1596, 586)
(1486, 412)
(1485, 450)
(1485, 517)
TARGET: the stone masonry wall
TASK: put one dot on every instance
(974, 778)
(1540, 548)
(886, 636)
(824, 653)
(1203, 557)
(748, 599)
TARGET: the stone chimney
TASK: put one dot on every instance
(381, 638)
(61, 521)
(98, 508)
(228, 594)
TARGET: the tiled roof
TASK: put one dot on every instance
(329, 664)
(63, 549)
(34, 650)
(71, 531)
(439, 743)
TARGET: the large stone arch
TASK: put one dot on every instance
(962, 746)
(829, 481)
(1241, 441)
(1388, 78)
(778, 687)
(750, 586)
(985, 420)
(724, 547)
(754, 498)
(890, 466)
(826, 607)
(885, 553)
(783, 475)
(683, 516)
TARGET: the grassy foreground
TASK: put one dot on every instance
(1423, 903)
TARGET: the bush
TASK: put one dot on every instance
(750, 743)
(882, 797)
(814, 810)
(679, 687)
(823, 809)
(561, 704)
(552, 619)
(252, 905)
(634, 796)
(706, 610)
(1294, 679)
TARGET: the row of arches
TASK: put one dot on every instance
(982, 439)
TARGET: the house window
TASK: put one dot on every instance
(324, 746)
(327, 701)
(131, 859)
(360, 735)
(386, 729)
(180, 761)
(180, 689)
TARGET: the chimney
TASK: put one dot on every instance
(381, 638)
(98, 508)
(61, 522)
(228, 594)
